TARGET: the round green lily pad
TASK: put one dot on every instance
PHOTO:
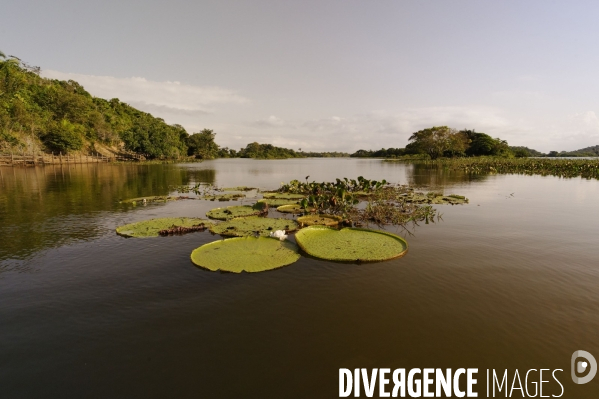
(278, 201)
(322, 220)
(350, 244)
(239, 188)
(152, 227)
(223, 197)
(288, 196)
(231, 212)
(158, 198)
(250, 226)
(293, 208)
(245, 254)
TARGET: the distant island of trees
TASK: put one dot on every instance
(442, 141)
(39, 114)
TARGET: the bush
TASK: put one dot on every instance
(65, 136)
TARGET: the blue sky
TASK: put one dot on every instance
(329, 75)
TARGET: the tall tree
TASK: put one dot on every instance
(434, 141)
(202, 145)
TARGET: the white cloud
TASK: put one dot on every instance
(381, 128)
(271, 121)
(586, 122)
(150, 96)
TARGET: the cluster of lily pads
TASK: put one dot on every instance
(325, 219)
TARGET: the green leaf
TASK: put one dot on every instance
(150, 228)
(350, 244)
(245, 254)
(254, 225)
(231, 212)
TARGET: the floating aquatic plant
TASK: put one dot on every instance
(435, 198)
(293, 208)
(288, 196)
(350, 244)
(276, 202)
(239, 188)
(231, 212)
(586, 168)
(180, 230)
(145, 200)
(254, 225)
(223, 197)
(322, 220)
(382, 203)
(245, 254)
(154, 227)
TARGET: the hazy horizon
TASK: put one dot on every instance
(329, 76)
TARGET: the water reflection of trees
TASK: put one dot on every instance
(201, 176)
(423, 174)
(42, 207)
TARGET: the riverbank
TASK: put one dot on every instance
(23, 159)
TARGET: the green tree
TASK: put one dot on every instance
(483, 144)
(64, 136)
(202, 145)
(434, 141)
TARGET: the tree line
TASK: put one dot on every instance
(443, 141)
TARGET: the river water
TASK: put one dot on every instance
(509, 281)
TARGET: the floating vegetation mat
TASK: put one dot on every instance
(232, 212)
(350, 244)
(321, 220)
(223, 197)
(245, 254)
(251, 226)
(586, 168)
(435, 198)
(163, 226)
(287, 196)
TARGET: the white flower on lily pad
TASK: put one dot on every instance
(280, 234)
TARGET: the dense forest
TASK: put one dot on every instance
(38, 114)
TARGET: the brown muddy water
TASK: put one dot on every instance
(510, 281)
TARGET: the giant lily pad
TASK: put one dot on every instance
(322, 220)
(239, 188)
(152, 227)
(288, 196)
(245, 254)
(249, 226)
(293, 208)
(350, 244)
(278, 201)
(450, 199)
(435, 198)
(144, 200)
(231, 212)
(223, 197)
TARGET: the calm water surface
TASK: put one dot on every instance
(509, 281)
